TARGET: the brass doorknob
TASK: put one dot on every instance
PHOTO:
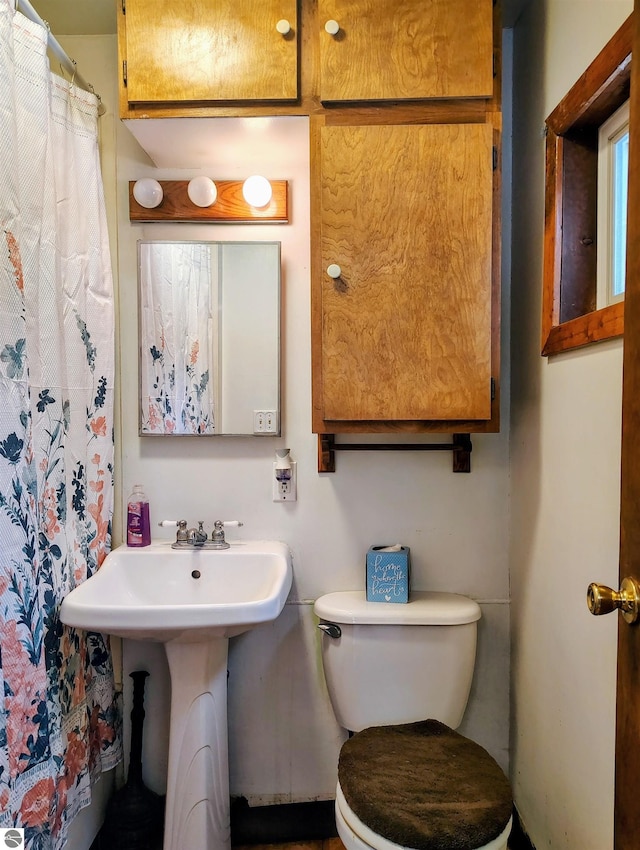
(603, 600)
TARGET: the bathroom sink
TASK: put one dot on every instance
(192, 600)
(161, 594)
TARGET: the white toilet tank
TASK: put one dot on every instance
(398, 663)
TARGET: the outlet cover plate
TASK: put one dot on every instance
(286, 491)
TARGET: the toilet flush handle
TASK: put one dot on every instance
(330, 629)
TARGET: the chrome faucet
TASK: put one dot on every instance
(196, 538)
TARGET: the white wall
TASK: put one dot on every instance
(455, 524)
(565, 465)
(283, 738)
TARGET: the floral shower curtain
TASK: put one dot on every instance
(179, 341)
(58, 717)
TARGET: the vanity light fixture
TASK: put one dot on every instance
(202, 191)
(148, 193)
(256, 190)
(202, 199)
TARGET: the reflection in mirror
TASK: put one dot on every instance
(209, 337)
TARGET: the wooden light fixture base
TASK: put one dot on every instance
(230, 205)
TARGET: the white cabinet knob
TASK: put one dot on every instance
(334, 271)
(332, 27)
(283, 26)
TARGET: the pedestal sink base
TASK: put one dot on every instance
(198, 807)
(193, 601)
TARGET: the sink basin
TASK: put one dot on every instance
(191, 600)
(161, 594)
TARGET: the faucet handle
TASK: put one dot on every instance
(181, 536)
(217, 535)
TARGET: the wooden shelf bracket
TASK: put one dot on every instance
(461, 448)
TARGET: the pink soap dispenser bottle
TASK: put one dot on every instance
(138, 524)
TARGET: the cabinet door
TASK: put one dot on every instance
(407, 49)
(199, 50)
(404, 332)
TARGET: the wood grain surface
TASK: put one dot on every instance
(203, 51)
(627, 771)
(406, 49)
(230, 205)
(406, 211)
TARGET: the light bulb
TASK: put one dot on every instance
(202, 191)
(148, 192)
(256, 191)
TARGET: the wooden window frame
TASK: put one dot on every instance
(569, 316)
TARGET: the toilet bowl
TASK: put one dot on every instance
(407, 782)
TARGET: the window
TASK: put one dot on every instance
(572, 315)
(613, 174)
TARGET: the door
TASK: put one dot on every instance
(408, 49)
(627, 778)
(627, 811)
(406, 219)
(201, 51)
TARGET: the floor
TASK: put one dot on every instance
(324, 844)
(517, 842)
(332, 844)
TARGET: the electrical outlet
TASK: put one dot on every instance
(286, 491)
(265, 422)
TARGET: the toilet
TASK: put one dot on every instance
(399, 676)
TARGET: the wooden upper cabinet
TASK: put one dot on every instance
(229, 57)
(404, 333)
(199, 50)
(405, 49)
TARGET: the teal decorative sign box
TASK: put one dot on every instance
(388, 574)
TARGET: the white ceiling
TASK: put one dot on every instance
(94, 17)
(78, 17)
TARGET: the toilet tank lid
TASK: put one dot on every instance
(425, 608)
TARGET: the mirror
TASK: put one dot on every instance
(209, 338)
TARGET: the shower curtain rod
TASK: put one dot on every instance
(68, 64)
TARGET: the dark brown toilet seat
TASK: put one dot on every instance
(425, 786)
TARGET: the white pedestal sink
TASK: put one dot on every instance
(193, 601)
